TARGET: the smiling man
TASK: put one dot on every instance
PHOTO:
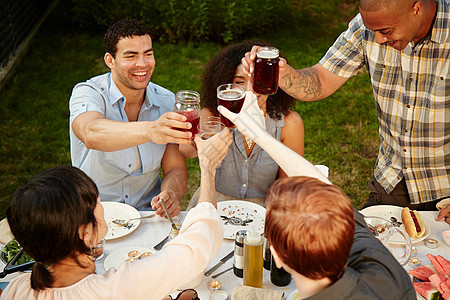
(405, 47)
(122, 128)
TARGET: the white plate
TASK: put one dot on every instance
(116, 258)
(388, 211)
(292, 295)
(116, 210)
(244, 210)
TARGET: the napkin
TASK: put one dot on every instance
(243, 292)
(5, 232)
(442, 204)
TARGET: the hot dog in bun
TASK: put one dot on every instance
(413, 222)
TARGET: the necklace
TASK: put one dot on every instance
(249, 142)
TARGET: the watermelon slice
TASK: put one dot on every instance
(445, 264)
(445, 288)
(426, 290)
(422, 273)
(436, 264)
(446, 296)
(436, 280)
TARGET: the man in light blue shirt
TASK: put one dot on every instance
(122, 128)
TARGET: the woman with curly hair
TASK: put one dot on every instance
(247, 171)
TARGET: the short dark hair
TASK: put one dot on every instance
(125, 28)
(45, 216)
(311, 226)
(222, 68)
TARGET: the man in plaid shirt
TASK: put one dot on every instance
(405, 47)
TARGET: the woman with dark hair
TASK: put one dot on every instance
(58, 219)
(247, 171)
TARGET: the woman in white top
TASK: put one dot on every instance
(58, 218)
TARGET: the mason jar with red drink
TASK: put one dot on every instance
(265, 76)
(187, 103)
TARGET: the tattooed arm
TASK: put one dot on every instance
(307, 84)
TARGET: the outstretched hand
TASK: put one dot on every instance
(250, 120)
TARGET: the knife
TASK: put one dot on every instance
(163, 204)
(220, 273)
(221, 262)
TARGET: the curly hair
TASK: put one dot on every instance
(123, 29)
(222, 68)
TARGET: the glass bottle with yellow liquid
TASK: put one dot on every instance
(253, 259)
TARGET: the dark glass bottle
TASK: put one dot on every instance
(279, 276)
(267, 256)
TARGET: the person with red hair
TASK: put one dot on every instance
(315, 233)
(326, 245)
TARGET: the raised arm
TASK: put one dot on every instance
(211, 152)
(250, 123)
(307, 84)
(99, 133)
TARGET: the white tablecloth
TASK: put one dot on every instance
(151, 231)
(436, 233)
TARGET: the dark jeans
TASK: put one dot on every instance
(399, 197)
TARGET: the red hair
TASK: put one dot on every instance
(311, 226)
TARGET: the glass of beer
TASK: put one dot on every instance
(187, 103)
(209, 126)
(265, 76)
(232, 97)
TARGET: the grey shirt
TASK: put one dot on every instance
(372, 272)
(245, 177)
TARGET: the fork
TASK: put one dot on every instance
(167, 238)
(126, 223)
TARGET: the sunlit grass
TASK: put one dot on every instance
(341, 131)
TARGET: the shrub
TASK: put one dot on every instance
(187, 20)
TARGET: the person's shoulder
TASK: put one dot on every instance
(159, 90)
(99, 82)
(293, 120)
(18, 288)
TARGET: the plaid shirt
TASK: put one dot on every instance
(412, 94)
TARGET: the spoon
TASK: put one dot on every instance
(125, 222)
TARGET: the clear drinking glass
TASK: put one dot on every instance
(232, 97)
(187, 103)
(210, 126)
(384, 230)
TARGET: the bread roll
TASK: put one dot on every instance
(415, 229)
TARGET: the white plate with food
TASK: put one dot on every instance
(241, 215)
(389, 211)
(116, 258)
(121, 211)
(293, 296)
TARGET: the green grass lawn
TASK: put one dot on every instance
(341, 131)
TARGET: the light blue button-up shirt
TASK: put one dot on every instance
(112, 171)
